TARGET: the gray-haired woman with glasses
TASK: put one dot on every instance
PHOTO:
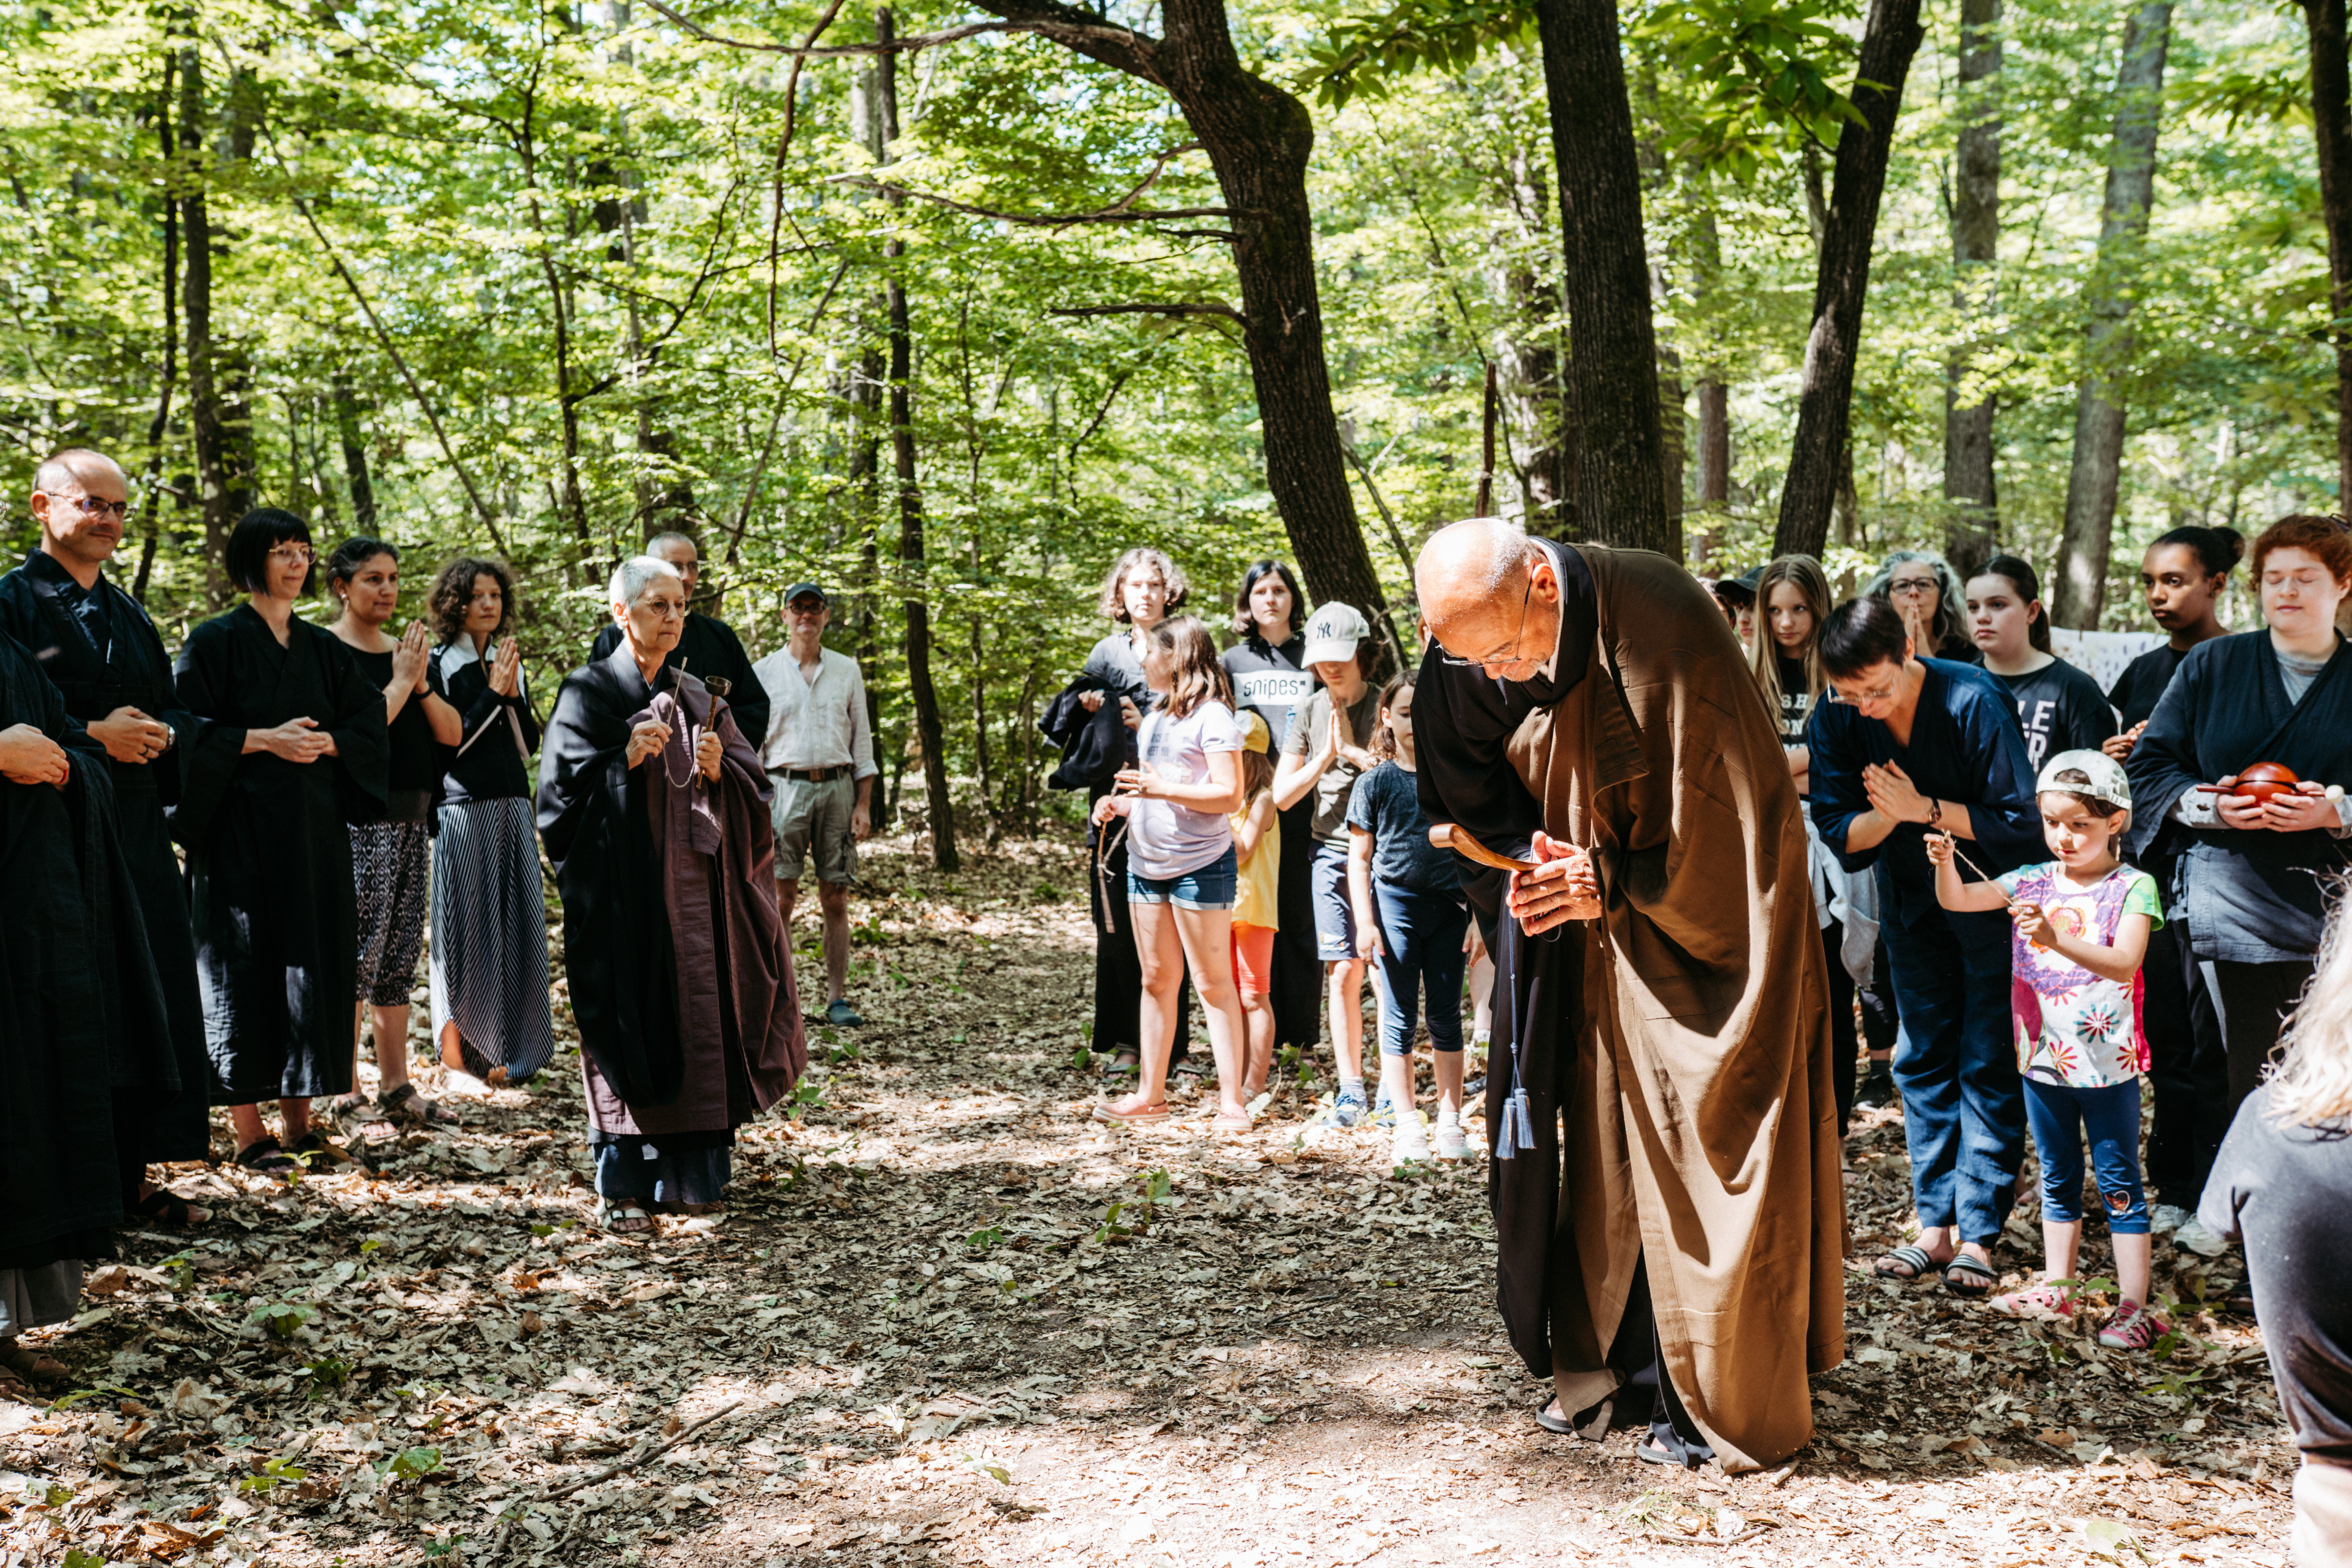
(292, 748)
(1921, 586)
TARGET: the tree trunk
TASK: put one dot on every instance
(1971, 524)
(2331, 128)
(1713, 444)
(1258, 139)
(929, 731)
(355, 459)
(149, 496)
(2080, 589)
(205, 420)
(1890, 38)
(1612, 362)
(1530, 379)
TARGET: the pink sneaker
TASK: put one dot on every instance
(2042, 1301)
(2133, 1328)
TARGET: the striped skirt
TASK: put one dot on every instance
(490, 938)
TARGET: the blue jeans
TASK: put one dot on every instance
(1209, 887)
(1956, 1064)
(1421, 944)
(2060, 1116)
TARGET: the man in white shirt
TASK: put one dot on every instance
(820, 752)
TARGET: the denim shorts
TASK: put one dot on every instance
(1209, 888)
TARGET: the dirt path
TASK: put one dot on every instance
(950, 1320)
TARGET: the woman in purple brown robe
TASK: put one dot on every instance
(654, 808)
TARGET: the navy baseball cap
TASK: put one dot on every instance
(805, 590)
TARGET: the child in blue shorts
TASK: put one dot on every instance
(2083, 922)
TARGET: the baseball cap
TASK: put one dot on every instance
(2108, 780)
(1333, 633)
(1742, 587)
(804, 590)
(1255, 736)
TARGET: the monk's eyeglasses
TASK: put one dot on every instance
(91, 506)
(1511, 653)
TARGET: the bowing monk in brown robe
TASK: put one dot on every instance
(1665, 1181)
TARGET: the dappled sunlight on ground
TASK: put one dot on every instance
(948, 1319)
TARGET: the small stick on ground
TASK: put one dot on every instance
(506, 1528)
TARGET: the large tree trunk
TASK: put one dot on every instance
(1258, 139)
(2080, 589)
(1890, 38)
(209, 419)
(1530, 382)
(1612, 362)
(1971, 524)
(929, 731)
(2331, 128)
(150, 495)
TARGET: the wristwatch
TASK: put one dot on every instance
(1935, 812)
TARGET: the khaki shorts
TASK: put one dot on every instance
(814, 819)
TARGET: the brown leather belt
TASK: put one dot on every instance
(815, 775)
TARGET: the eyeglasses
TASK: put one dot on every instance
(1912, 585)
(1876, 694)
(294, 554)
(1510, 651)
(91, 506)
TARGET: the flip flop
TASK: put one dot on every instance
(1915, 1258)
(1560, 1426)
(1105, 1111)
(1981, 1276)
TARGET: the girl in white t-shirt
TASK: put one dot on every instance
(1181, 867)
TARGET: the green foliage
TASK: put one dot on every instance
(282, 1320)
(410, 1464)
(271, 1474)
(1759, 73)
(80, 1394)
(1362, 52)
(327, 1374)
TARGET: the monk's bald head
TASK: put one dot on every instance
(77, 471)
(1489, 595)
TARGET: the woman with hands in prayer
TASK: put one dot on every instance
(292, 749)
(1910, 747)
(491, 1014)
(389, 857)
(654, 807)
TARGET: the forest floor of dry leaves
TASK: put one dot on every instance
(950, 1320)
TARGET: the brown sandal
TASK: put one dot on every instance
(406, 1106)
(30, 1366)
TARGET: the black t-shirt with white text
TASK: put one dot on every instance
(1796, 702)
(2061, 709)
(1270, 684)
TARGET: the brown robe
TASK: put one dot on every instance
(1680, 1041)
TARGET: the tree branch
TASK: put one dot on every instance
(1227, 312)
(783, 145)
(1117, 213)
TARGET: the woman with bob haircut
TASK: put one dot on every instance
(292, 749)
(1908, 747)
(491, 1013)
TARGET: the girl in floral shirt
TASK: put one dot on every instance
(2083, 921)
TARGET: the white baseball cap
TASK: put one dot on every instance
(1333, 633)
(2109, 781)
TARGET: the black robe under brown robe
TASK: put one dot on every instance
(680, 979)
(1659, 1087)
(269, 851)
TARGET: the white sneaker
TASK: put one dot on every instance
(2163, 1220)
(1410, 1144)
(2191, 1236)
(1451, 1145)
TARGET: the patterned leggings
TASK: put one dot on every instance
(388, 862)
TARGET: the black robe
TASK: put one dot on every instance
(269, 852)
(708, 649)
(2249, 896)
(153, 1123)
(82, 1011)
